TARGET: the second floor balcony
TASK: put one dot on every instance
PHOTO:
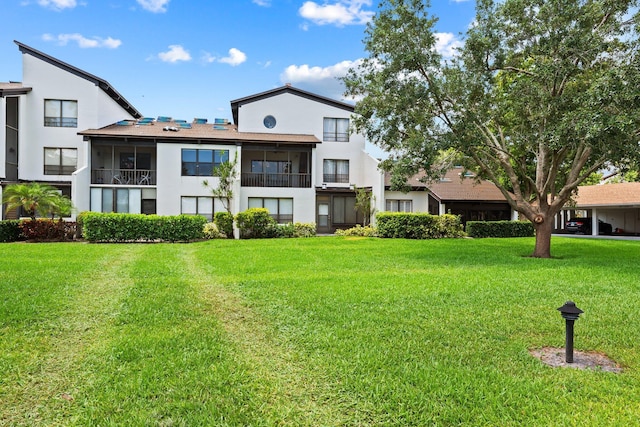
(288, 167)
(264, 179)
(119, 164)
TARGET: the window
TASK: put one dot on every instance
(399, 206)
(336, 130)
(198, 206)
(202, 162)
(59, 113)
(123, 200)
(280, 209)
(60, 161)
(336, 171)
(344, 211)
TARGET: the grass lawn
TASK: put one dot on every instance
(316, 332)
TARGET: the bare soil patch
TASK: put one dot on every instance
(555, 357)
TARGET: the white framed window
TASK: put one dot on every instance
(202, 162)
(335, 129)
(203, 206)
(280, 209)
(60, 113)
(399, 205)
(334, 170)
(60, 161)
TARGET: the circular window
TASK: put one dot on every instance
(269, 122)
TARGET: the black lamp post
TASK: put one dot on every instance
(570, 313)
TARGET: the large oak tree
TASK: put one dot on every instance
(541, 94)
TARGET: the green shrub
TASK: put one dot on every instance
(121, 227)
(256, 223)
(284, 230)
(224, 222)
(47, 230)
(359, 230)
(481, 229)
(10, 231)
(211, 231)
(418, 225)
(304, 229)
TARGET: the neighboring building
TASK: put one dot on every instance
(616, 204)
(41, 116)
(455, 193)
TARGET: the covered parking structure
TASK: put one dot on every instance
(616, 204)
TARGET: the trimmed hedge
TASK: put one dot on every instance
(224, 222)
(10, 231)
(121, 227)
(418, 225)
(481, 229)
(256, 223)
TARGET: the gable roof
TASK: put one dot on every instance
(236, 103)
(623, 194)
(101, 83)
(200, 132)
(454, 187)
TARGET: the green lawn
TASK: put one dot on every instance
(315, 332)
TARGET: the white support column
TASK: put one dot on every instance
(594, 222)
(427, 202)
(443, 209)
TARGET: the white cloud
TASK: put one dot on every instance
(236, 57)
(321, 80)
(58, 4)
(175, 54)
(340, 13)
(447, 44)
(83, 42)
(264, 3)
(207, 58)
(155, 6)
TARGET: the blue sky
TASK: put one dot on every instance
(189, 58)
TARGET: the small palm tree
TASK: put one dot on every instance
(36, 199)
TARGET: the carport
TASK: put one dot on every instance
(617, 204)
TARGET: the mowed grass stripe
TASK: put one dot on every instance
(165, 360)
(66, 299)
(289, 392)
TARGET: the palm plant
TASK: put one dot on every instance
(36, 199)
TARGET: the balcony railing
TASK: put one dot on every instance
(123, 176)
(291, 180)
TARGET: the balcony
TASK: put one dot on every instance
(287, 180)
(144, 177)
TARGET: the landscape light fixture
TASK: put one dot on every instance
(570, 312)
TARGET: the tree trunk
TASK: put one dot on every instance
(543, 239)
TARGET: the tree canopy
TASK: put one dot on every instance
(542, 94)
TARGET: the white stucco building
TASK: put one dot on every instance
(40, 118)
(296, 154)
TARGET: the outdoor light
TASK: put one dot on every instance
(570, 312)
